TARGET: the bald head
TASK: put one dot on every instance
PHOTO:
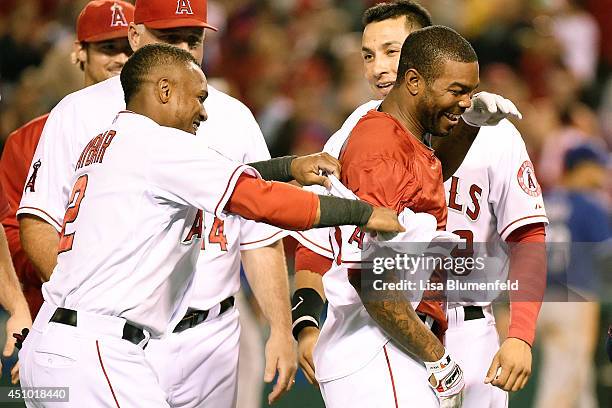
(166, 84)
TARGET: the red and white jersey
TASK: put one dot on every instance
(493, 192)
(130, 240)
(230, 129)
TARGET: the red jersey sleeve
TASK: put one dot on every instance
(5, 208)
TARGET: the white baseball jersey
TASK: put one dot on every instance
(230, 129)
(130, 240)
(493, 192)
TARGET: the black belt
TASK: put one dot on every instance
(472, 313)
(193, 317)
(68, 317)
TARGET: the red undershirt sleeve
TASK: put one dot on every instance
(307, 260)
(279, 204)
(528, 267)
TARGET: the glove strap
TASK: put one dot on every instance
(447, 374)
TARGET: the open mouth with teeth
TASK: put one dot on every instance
(195, 125)
(452, 117)
(385, 86)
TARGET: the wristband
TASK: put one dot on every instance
(341, 211)
(306, 308)
(277, 169)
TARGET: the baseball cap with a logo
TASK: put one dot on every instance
(160, 14)
(104, 20)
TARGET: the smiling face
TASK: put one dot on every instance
(103, 59)
(381, 45)
(186, 105)
(446, 97)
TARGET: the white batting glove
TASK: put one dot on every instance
(449, 383)
(489, 109)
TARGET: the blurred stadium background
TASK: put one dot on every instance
(297, 65)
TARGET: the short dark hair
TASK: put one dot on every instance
(413, 11)
(144, 60)
(425, 50)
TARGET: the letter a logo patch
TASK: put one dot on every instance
(183, 7)
(118, 19)
(32, 180)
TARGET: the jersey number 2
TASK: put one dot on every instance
(65, 243)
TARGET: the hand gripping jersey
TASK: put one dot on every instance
(230, 129)
(128, 247)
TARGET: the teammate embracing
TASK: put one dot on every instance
(492, 196)
(196, 362)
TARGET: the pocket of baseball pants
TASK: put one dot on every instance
(57, 348)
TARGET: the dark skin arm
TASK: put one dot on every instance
(396, 316)
(452, 149)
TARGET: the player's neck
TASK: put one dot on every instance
(396, 107)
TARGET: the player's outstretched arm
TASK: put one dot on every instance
(292, 208)
(13, 301)
(40, 241)
(306, 170)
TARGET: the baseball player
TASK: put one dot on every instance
(101, 49)
(183, 360)
(489, 174)
(132, 232)
(11, 296)
(373, 357)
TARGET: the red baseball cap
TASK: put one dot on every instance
(160, 14)
(104, 20)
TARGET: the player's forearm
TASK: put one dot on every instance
(308, 279)
(528, 267)
(293, 208)
(11, 295)
(396, 316)
(266, 271)
(310, 268)
(40, 242)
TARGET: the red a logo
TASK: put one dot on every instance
(196, 228)
(118, 19)
(32, 180)
(183, 7)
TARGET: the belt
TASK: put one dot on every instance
(472, 313)
(193, 317)
(68, 317)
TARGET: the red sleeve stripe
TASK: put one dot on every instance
(263, 239)
(57, 225)
(225, 196)
(331, 254)
(519, 220)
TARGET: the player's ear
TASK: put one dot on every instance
(164, 90)
(78, 54)
(134, 35)
(412, 81)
